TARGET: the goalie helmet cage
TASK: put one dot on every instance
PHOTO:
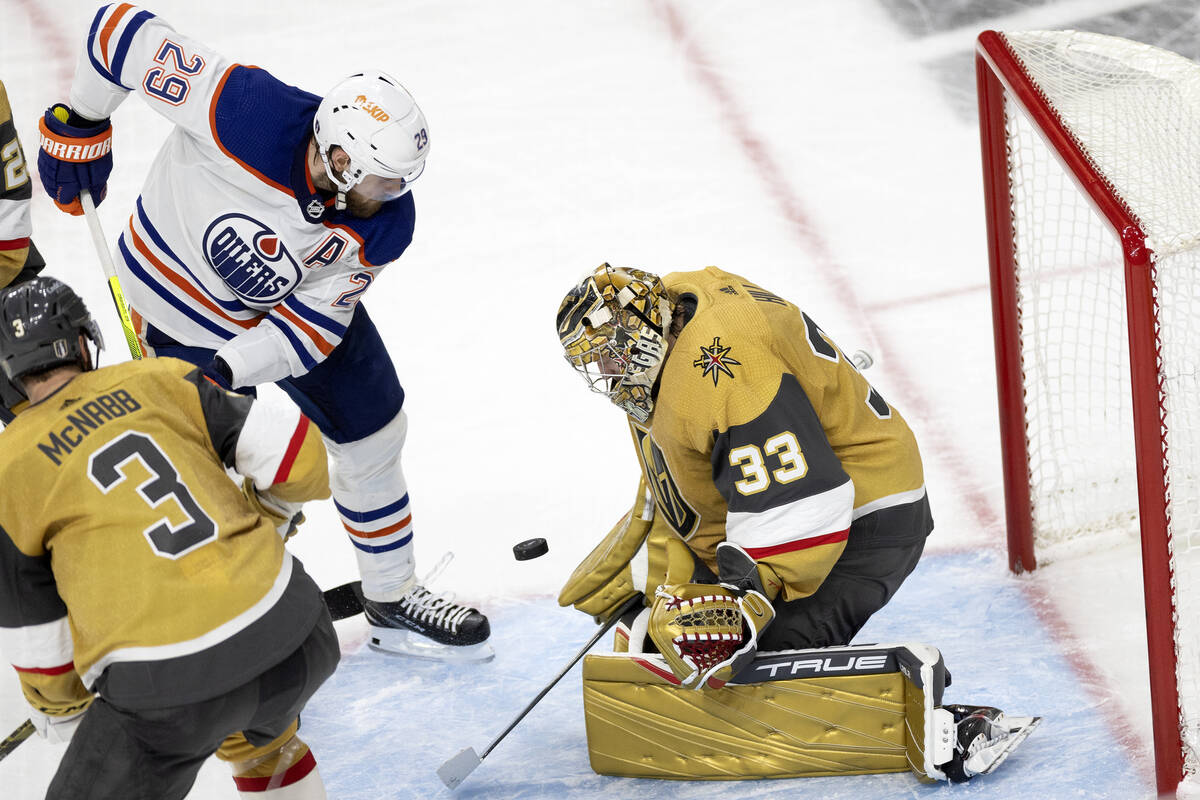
(1091, 166)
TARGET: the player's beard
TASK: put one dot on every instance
(361, 207)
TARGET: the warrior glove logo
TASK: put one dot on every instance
(251, 259)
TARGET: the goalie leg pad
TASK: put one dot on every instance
(839, 711)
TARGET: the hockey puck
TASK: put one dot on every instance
(530, 548)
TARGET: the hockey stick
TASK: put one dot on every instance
(23, 732)
(110, 272)
(343, 601)
(457, 768)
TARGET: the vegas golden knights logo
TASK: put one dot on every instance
(679, 514)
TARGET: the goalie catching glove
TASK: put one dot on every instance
(707, 633)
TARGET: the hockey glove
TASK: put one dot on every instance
(219, 373)
(286, 517)
(740, 572)
(706, 633)
(76, 154)
(56, 728)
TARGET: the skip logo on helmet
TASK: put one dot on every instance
(372, 108)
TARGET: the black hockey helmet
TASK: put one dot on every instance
(40, 323)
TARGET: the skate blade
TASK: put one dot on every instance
(401, 642)
(989, 758)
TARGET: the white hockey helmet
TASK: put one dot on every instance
(377, 122)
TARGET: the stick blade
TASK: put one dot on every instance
(456, 769)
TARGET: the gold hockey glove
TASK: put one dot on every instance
(56, 703)
(285, 517)
(707, 633)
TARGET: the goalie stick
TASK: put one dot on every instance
(457, 768)
(342, 602)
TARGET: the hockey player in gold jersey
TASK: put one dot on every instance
(781, 503)
(19, 258)
(145, 597)
(757, 439)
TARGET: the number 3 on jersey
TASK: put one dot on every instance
(752, 461)
(108, 467)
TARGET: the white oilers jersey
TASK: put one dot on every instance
(230, 246)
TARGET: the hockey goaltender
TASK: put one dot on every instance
(781, 503)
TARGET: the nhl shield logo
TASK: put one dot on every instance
(251, 259)
(315, 209)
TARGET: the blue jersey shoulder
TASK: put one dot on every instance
(387, 233)
(260, 121)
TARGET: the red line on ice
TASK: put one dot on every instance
(46, 23)
(938, 441)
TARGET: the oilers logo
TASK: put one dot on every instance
(251, 259)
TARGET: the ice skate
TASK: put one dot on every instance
(984, 738)
(424, 624)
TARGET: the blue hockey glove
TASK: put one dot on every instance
(76, 154)
(219, 373)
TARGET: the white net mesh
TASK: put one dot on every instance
(1135, 111)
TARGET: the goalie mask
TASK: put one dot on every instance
(40, 326)
(376, 121)
(613, 327)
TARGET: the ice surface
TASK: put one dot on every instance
(825, 149)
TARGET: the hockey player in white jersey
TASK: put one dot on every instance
(266, 216)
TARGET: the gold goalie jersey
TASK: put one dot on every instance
(128, 555)
(765, 435)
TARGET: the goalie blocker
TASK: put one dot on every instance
(795, 713)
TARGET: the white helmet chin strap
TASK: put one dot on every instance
(342, 186)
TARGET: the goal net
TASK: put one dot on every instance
(1091, 148)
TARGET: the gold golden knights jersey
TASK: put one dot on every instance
(765, 435)
(126, 552)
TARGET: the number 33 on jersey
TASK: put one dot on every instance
(765, 435)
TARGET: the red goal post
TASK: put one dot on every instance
(1091, 167)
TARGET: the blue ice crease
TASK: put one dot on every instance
(382, 724)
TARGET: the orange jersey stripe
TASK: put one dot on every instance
(325, 347)
(107, 31)
(183, 284)
(376, 534)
